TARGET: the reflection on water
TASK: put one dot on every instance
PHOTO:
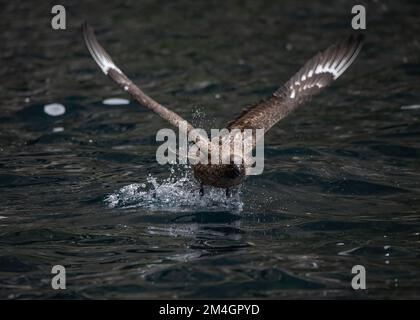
(80, 186)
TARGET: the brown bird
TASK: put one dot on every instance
(312, 78)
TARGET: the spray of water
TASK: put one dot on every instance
(178, 192)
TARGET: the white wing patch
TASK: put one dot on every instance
(324, 68)
(107, 65)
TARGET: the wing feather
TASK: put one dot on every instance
(104, 61)
(311, 79)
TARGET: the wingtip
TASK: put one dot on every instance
(85, 27)
(352, 47)
(357, 40)
(98, 53)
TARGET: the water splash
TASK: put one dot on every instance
(178, 192)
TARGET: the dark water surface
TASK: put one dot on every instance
(341, 184)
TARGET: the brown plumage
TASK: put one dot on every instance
(314, 76)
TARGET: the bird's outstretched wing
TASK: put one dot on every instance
(105, 62)
(315, 75)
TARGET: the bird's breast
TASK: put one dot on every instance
(220, 175)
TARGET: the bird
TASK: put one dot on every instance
(315, 75)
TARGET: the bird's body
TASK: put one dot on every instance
(315, 75)
(220, 175)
